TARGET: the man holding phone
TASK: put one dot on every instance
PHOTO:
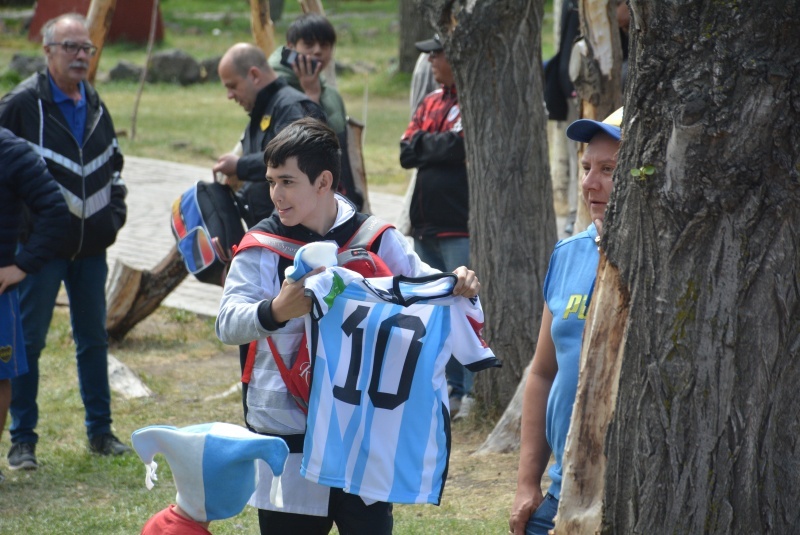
(310, 41)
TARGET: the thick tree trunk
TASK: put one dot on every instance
(512, 224)
(703, 437)
(99, 17)
(413, 27)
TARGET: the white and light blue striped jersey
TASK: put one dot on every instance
(378, 420)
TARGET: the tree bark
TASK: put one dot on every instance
(99, 17)
(261, 26)
(512, 224)
(703, 435)
(601, 92)
(414, 26)
(133, 294)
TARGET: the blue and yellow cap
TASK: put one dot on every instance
(584, 130)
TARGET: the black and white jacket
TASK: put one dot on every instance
(88, 175)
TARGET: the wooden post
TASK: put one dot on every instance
(133, 294)
(261, 25)
(99, 17)
(355, 152)
(315, 6)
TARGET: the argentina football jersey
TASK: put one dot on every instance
(378, 421)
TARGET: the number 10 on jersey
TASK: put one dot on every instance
(383, 358)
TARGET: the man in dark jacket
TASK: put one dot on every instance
(272, 105)
(439, 211)
(24, 180)
(62, 118)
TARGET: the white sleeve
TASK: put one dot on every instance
(469, 347)
(252, 278)
(400, 257)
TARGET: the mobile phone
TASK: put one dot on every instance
(290, 57)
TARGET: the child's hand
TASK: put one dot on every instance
(291, 301)
(468, 284)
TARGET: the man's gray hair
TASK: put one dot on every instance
(49, 28)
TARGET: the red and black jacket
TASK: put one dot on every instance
(434, 144)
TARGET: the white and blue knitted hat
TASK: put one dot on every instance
(213, 465)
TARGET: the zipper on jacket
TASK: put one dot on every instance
(83, 186)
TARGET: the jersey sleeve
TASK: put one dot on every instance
(469, 347)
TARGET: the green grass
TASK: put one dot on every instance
(179, 359)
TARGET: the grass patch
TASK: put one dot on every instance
(176, 354)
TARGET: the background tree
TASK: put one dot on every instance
(695, 320)
(495, 51)
(414, 26)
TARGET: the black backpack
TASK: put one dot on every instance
(207, 223)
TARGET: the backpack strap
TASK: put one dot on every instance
(277, 244)
(369, 231)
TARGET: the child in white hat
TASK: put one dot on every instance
(214, 468)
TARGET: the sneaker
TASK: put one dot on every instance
(466, 406)
(107, 444)
(22, 456)
(455, 406)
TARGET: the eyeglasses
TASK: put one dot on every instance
(72, 48)
(435, 53)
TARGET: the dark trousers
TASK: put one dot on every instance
(351, 515)
(85, 280)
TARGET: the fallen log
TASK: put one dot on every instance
(133, 295)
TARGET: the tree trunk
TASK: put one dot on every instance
(133, 295)
(261, 26)
(601, 91)
(703, 435)
(413, 27)
(505, 436)
(511, 199)
(99, 17)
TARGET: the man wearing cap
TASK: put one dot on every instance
(433, 143)
(553, 379)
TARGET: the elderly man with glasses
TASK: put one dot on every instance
(63, 119)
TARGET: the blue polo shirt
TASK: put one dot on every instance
(569, 281)
(74, 114)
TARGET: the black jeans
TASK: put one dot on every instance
(351, 515)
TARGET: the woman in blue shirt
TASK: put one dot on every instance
(553, 378)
